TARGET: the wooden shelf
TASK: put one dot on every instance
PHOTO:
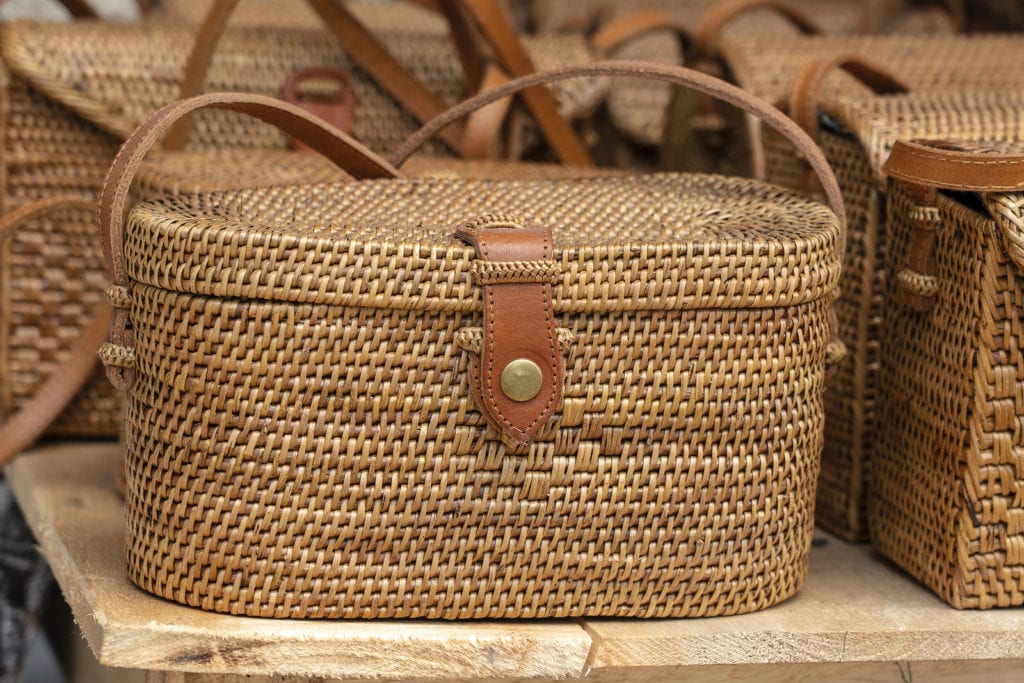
(854, 608)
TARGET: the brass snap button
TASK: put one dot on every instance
(521, 380)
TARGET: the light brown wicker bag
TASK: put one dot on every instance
(651, 29)
(947, 500)
(329, 399)
(80, 88)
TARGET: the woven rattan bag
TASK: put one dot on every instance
(947, 501)
(83, 87)
(856, 133)
(337, 408)
(650, 30)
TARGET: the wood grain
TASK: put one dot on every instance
(854, 620)
(68, 497)
(856, 606)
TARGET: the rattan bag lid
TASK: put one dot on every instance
(968, 116)
(660, 241)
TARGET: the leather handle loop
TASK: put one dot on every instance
(660, 72)
(503, 40)
(348, 154)
(708, 33)
(364, 49)
(936, 165)
(620, 31)
(28, 424)
(806, 94)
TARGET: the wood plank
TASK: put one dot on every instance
(855, 606)
(67, 494)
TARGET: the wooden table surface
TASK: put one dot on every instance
(855, 607)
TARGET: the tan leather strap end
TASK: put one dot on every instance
(805, 96)
(29, 423)
(951, 166)
(80, 9)
(708, 34)
(341, 113)
(519, 375)
(365, 50)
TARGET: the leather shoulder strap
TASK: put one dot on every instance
(709, 29)
(617, 32)
(690, 78)
(348, 154)
(942, 165)
(365, 50)
(806, 94)
(29, 423)
(501, 36)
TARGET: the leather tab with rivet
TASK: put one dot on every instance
(517, 378)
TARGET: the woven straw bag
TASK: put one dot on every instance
(650, 30)
(358, 415)
(83, 87)
(947, 501)
(856, 135)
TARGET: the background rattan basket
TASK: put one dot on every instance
(947, 501)
(768, 67)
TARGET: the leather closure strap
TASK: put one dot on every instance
(341, 113)
(29, 423)
(518, 377)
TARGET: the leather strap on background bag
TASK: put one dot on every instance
(348, 154)
(358, 42)
(709, 29)
(501, 37)
(678, 75)
(617, 32)
(806, 94)
(32, 419)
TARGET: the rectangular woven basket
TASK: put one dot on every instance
(608, 402)
(70, 92)
(769, 67)
(947, 500)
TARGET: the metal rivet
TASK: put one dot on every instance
(521, 380)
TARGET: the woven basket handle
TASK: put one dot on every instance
(690, 78)
(28, 424)
(708, 33)
(806, 94)
(365, 50)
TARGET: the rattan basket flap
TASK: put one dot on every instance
(113, 76)
(877, 122)
(326, 348)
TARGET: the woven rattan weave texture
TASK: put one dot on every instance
(70, 91)
(946, 501)
(927, 64)
(303, 442)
